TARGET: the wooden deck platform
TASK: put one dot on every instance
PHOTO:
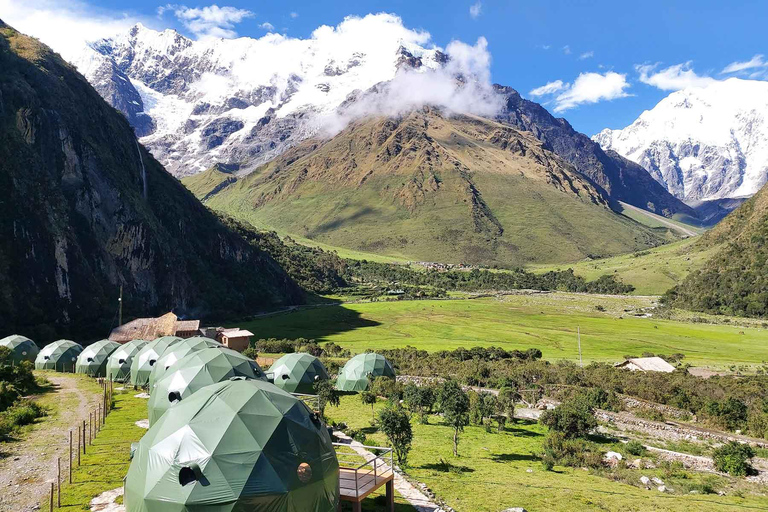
(357, 482)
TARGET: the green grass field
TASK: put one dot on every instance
(544, 321)
(651, 272)
(496, 471)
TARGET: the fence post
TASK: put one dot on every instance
(83, 437)
(58, 482)
(70, 456)
(51, 502)
(78, 446)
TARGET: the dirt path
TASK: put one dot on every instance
(685, 231)
(28, 466)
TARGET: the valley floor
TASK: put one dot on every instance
(611, 328)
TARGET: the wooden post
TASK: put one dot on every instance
(83, 437)
(51, 497)
(70, 456)
(58, 482)
(78, 446)
(391, 495)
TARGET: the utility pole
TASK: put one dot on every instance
(578, 333)
(120, 307)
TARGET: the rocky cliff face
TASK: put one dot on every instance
(87, 209)
(702, 143)
(622, 179)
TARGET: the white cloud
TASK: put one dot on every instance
(66, 26)
(587, 88)
(210, 21)
(267, 26)
(475, 10)
(413, 88)
(586, 55)
(549, 88)
(672, 78)
(755, 62)
(567, 49)
(546, 47)
(294, 15)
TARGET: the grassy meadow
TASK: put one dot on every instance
(547, 321)
(651, 272)
(496, 471)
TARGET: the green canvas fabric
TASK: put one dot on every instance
(195, 371)
(141, 366)
(176, 352)
(60, 355)
(119, 363)
(297, 373)
(92, 361)
(239, 446)
(23, 348)
(354, 375)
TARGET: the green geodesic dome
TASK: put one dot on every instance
(354, 375)
(92, 361)
(178, 351)
(195, 371)
(119, 362)
(141, 366)
(23, 348)
(235, 446)
(60, 355)
(297, 373)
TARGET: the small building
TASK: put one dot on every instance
(236, 339)
(153, 328)
(646, 364)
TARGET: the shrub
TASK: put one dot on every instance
(558, 449)
(396, 425)
(635, 448)
(251, 353)
(573, 418)
(733, 458)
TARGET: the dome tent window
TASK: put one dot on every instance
(304, 472)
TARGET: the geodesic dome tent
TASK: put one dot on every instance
(354, 375)
(297, 373)
(92, 361)
(239, 445)
(178, 351)
(119, 362)
(60, 355)
(142, 363)
(195, 371)
(23, 348)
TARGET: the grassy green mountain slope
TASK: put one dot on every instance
(429, 187)
(735, 280)
(85, 210)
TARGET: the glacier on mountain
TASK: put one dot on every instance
(244, 101)
(701, 143)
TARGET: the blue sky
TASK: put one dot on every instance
(532, 42)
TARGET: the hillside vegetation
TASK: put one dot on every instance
(426, 187)
(87, 210)
(734, 281)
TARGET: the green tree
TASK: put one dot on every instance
(733, 458)
(505, 406)
(419, 400)
(326, 395)
(572, 418)
(454, 403)
(396, 425)
(369, 398)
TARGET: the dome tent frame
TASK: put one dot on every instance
(92, 361)
(119, 362)
(23, 348)
(354, 375)
(176, 352)
(234, 446)
(298, 372)
(145, 359)
(195, 371)
(61, 356)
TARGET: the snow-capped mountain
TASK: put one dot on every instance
(702, 143)
(243, 101)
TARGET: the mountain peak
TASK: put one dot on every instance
(702, 143)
